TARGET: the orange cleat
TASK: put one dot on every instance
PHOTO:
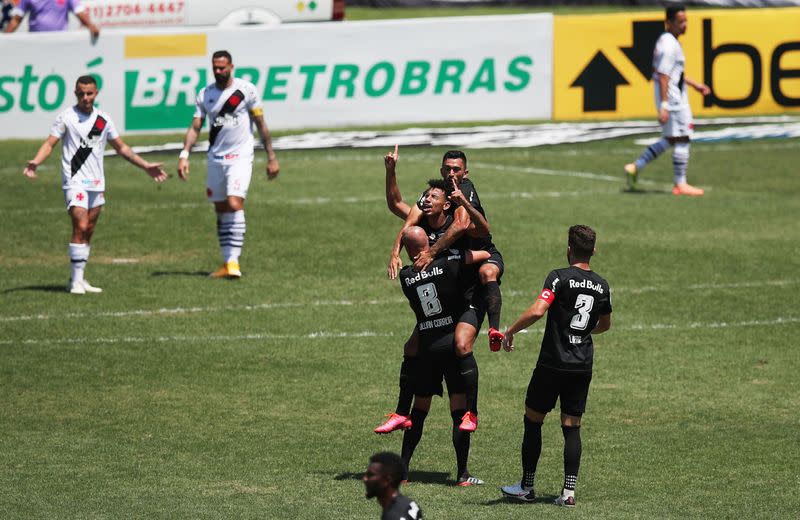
(495, 339)
(395, 422)
(469, 422)
(687, 189)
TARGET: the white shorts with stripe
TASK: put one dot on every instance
(679, 123)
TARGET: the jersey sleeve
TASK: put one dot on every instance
(550, 288)
(252, 101)
(199, 107)
(76, 6)
(664, 57)
(111, 128)
(59, 127)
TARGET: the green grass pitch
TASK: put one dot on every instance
(170, 395)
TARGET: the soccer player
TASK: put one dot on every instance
(577, 302)
(436, 218)
(672, 102)
(382, 481)
(231, 105)
(85, 130)
(436, 296)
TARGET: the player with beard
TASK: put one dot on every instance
(382, 481)
(85, 129)
(231, 105)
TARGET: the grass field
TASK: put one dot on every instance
(174, 396)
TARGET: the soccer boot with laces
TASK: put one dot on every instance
(495, 339)
(631, 175)
(75, 287)
(89, 288)
(519, 492)
(687, 189)
(469, 480)
(565, 501)
(234, 271)
(395, 422)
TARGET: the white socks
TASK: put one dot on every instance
(78, 256)
(231, 228)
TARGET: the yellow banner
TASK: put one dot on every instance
(749, 57)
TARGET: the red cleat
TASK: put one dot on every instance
(469, 422)
(495, 339)
(395, 422)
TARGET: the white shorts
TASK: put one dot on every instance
(679, 123)
(226, 180)
(80, 198)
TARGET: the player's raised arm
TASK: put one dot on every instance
(44, 152)
(394, 199)
(479, 227)
(395, 263)
(154, 170)
(188, 141)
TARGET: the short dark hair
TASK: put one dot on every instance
(581, 241)
(439, 184)
(455, 154)
(673, 10)
(86, 80)
(392, 466)
(222, 54)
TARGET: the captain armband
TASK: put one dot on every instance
(257, 112)
(547, 296)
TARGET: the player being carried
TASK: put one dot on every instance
(85, 129)
(485, 296)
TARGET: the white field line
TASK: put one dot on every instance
(368, 334)
(346, 303)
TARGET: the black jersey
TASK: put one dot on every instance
(436, 296)
(577, 299)
(435, 234)
(402, 508)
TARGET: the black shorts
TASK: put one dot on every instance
(547, 385)
(432, 368)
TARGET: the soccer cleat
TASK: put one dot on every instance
(565, 501)
(687, 189)
(632, 175)
(495, 339)
(469, 480)
(89, 288)
(395, 422)
(233, 269)
(469, 422)
(519, 492)
(222, 272)
(75, 287)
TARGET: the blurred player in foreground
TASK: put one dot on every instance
(382, 481)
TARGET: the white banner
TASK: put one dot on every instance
(310, 75)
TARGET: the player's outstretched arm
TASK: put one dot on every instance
(533, 314)
(44, 152)
(478, 227)
(702, 88)
(188, 142)
(273, 168)
(395, 264)
(394, 199)
(154, 170)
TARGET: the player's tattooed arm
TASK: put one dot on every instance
(461, 223)
(44, 152)
(273, 168)
(395, 264)
(394, 199)
(479, 227)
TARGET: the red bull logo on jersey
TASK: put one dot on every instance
(422, 275)
(586, 284)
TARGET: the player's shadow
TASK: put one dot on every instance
(37, 288)
(180, 273)
(645, 191)
(540, 499)
(424, 477)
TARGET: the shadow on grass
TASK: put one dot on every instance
(423, 477)
(38, 288)
(641, 191)
(180, 273)
(543, 499)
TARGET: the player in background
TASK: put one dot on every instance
(437, 217)
(231, 105)
(382, 481)
(672, 102)
(85, 130)
(436, 295)
(577, 302)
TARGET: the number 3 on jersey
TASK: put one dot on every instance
(428, 298)
(584, 304)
